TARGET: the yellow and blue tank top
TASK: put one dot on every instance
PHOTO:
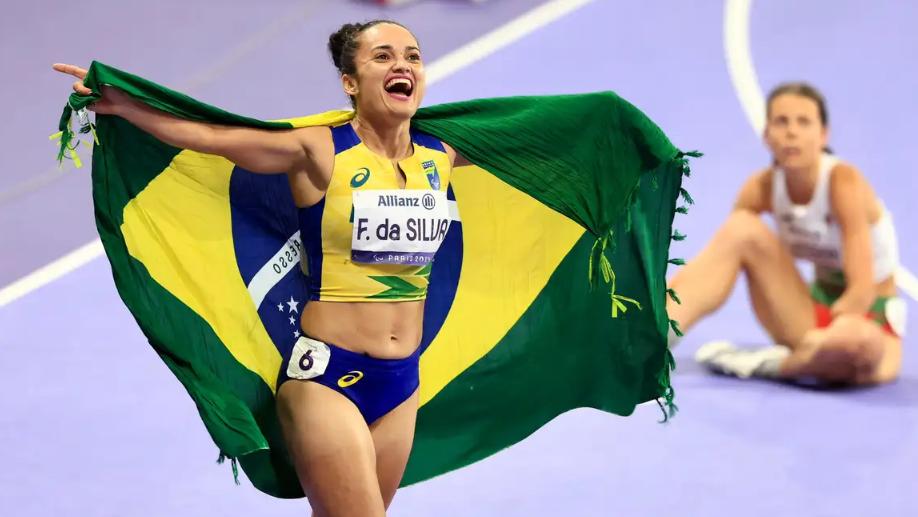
(363, 182)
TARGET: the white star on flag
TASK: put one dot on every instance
(296, 333)
(292, 304)
(292, 320)
(280, 307)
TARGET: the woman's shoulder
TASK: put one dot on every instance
(848, 183)
(844, 175)
(316, 139)
(755, 195)
(323, 131)
(844, 170)
(763, 178)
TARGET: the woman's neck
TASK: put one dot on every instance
(390, 140)
(801, 182)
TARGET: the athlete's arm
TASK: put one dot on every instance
(755, 195)
(258, 150)
(849, 207)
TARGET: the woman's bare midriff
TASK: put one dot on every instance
(384, 330)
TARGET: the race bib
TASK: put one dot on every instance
(398, 226)
(308, 360)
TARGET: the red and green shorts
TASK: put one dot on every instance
(887, 311)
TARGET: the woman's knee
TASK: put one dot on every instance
(852, 332)
(746, 230)
(859, 339)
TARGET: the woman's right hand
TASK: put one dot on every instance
(112, 98)
(257, 150)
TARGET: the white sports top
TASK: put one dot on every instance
(811, 232)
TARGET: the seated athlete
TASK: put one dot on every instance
(847, 326)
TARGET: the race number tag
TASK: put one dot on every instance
(309, 359)
(398, 226)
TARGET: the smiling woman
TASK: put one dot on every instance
(366, 434)
(203, 212)
(402, 83)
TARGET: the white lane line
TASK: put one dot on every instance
(739, 62)
(47, 274)
(501, 37)
(906, 281)
(289, 20)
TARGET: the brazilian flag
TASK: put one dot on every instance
(548, 296)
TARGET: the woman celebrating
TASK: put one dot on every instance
(213, 252)
(847, 326)
(348, 411)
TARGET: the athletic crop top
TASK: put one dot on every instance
(368, 240)
(811, 232)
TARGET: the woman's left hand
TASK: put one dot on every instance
(852, 302)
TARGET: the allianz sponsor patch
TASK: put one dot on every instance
(398, 226)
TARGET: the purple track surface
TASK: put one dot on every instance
(92, 423)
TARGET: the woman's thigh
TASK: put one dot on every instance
(332, 450)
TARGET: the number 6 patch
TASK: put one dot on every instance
(309, 359)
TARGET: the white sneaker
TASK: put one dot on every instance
(724, 357)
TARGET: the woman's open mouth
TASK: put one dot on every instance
(399, 88)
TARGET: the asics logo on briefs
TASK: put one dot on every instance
(360, 177)
(350, 378)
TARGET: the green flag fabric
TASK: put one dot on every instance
(548, 296)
